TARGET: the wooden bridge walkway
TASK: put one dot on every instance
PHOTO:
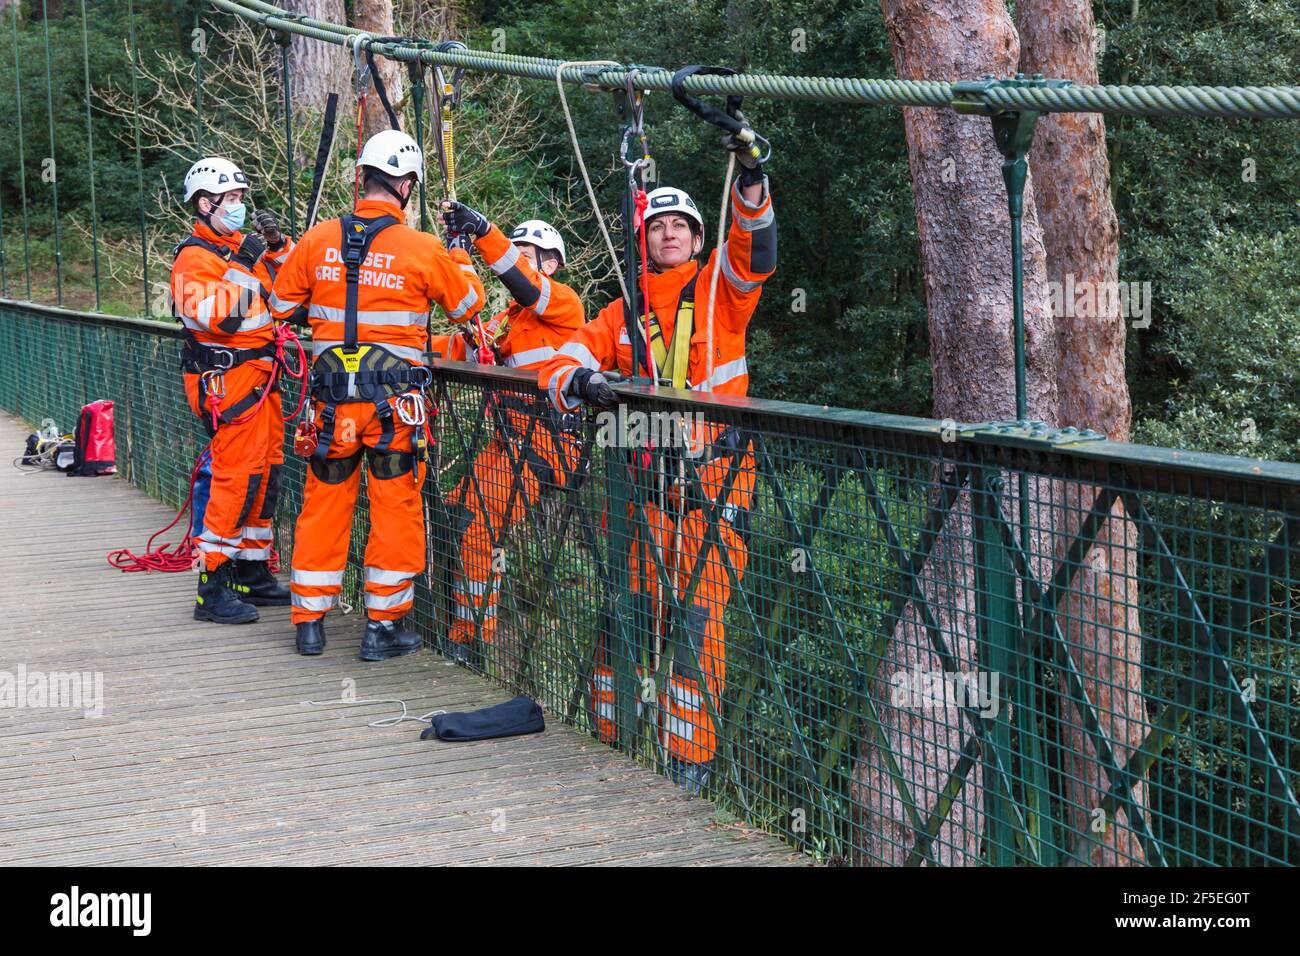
(207, 754)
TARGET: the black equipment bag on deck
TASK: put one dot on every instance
(519, 716)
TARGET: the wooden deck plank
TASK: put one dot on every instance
(201, 717)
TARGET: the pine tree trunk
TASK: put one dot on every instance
(964, 230)
(376, 18)
(316, 68)
(1099, 618)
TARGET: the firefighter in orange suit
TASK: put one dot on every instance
(365, 283)
(220, 279)
(678, 293)
(543, 313)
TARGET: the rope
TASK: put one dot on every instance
(582, 166)
(1256, 102)
(383, 722)
(713, 279)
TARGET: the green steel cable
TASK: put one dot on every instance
(54, 170)
(1259, 102)
(139, 168)
(22, 163)
(90, 151)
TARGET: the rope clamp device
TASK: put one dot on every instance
(449, 90)
(760, 147)
(360, 68)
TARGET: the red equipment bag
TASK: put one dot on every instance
(96, 450)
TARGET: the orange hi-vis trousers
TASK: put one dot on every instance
(395, 550)
(686, 729)
(247, 458)
(487, 503)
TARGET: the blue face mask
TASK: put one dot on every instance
(234, 216)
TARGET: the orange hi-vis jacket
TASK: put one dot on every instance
(219, 301)
(747, 258)
(403, 272)
(543, 314)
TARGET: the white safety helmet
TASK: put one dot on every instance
(214, 175)
(540, 234)
(393, 152)
(668, 199)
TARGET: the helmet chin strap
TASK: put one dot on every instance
(401, 200)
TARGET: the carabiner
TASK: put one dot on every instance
(410, 408)
(360, 68)
(208, 378)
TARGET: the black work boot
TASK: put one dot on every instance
(385, 639)
(254, 583)
(311, 637)
(216, 602)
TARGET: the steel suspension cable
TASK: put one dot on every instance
(139, 167)
(54, 163)
(90, 151)
(1258, 102)
(22, 162)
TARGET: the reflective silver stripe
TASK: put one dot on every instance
(211, 538)
(735, 281)
(254, 554)
(530, 356)
(465, 304)
(684, 697)
(207, 547)
(258, 534)
(321, 346)
(765, 218)
(676, 727)
(508, 259)
(251, 283)
(282, 305)
(725, 373)
(474, 588)
(605, 711)
(331, 314)
(262, 318)
(386, 602)
(380, 576)
(603, 682)
(203, 311)
(313, 602)
(545, 298)
(581, 353)
(556, 389)
(466, 267)
(316, 579)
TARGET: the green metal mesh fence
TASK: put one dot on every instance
(917, 644)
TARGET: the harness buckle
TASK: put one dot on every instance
(217, 353)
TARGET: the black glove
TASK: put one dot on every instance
(592, 387)
(266, 224)
(747, 155)
(462, 220)
(250, 250)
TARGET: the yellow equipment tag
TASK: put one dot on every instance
(352, 360)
